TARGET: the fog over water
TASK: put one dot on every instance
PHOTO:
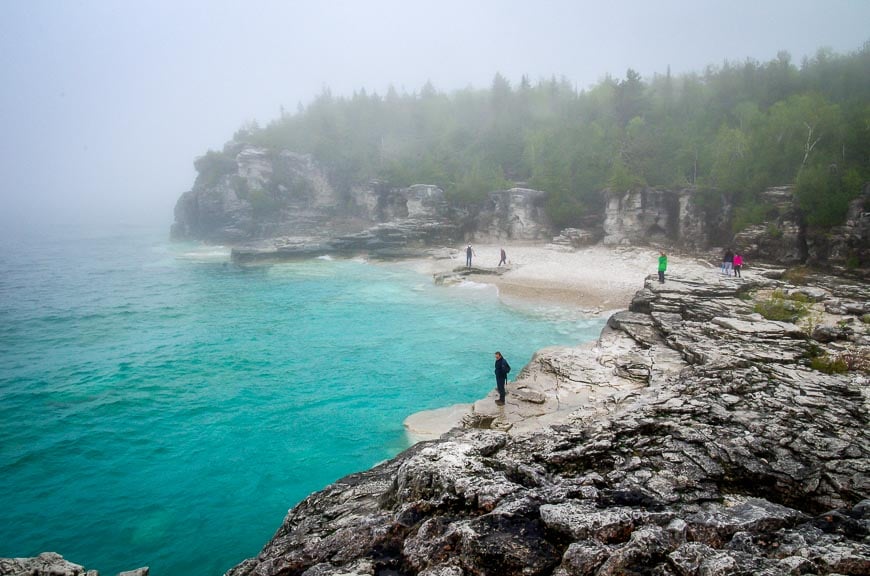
(105, 104)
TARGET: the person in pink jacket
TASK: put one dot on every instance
(738, 263)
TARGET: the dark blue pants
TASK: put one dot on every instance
(499, 383)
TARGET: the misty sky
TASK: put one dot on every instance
(106, 103)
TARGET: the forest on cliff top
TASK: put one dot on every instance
(729, 132)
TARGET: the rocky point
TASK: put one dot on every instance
(693, 438)
(696, 437)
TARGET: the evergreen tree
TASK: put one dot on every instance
(733, 130)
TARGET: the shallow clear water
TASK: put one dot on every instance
(160, 406)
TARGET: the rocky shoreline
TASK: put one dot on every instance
(705, 444)
(694, 437)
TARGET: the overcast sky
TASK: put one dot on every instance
(106, 103)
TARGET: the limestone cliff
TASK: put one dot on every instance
(246, 194)
(517, 214)
(785, 238)
(274, 205)
(661, 217)
(782, 237)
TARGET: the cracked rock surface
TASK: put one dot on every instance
(692, 439)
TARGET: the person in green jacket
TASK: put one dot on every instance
(663, 265)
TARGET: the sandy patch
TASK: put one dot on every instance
(431, 424)
(597, 279)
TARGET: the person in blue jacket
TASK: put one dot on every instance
(501, 371)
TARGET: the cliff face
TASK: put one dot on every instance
(247, 194)
(282, 205)
(663, 217)
(712, 449)
(677, 219)
(782, 238)
(786, 239)
(515, 214)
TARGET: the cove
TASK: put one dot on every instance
(160, 406)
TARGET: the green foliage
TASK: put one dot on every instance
(753, 212)
(798, 297)
(824, 195)
(264, 205)
(621, 178)
(710, 200)
(811, 321)
(852, 359)
(797, 275)
(213, 166)
(829, 365)
(733, 131)
(774, 231)
(474, 185)
(565, 210)
(781, 308)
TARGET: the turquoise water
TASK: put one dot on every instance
(160, 406)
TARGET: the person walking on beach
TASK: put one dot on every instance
(737, 263)
(663, 265)
(501, 371)
(468, 254)
(503, 258)
(727, 262)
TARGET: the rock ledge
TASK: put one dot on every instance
(693, 438)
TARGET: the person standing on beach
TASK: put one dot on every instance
(503, 258)
(737, 263)
(501, 371)
(663, 265)
(468, 254)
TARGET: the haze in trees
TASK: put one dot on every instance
(729, 132)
